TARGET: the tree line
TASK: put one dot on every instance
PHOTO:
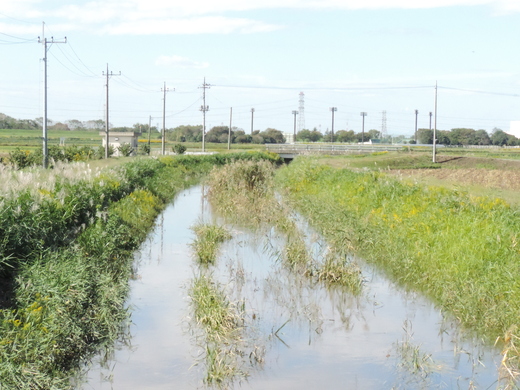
(219, 134)
(466, 136)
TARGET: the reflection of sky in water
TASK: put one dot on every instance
(332, 340)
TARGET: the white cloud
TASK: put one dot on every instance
(180, 62)
(195, 16)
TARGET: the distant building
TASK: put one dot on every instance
(116, 139)
(289, 138)
(514, 128)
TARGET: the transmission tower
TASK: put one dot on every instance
(301, 112)
(383, 126)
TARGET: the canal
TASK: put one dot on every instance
(297, 333)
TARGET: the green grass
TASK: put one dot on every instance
(208, 239)
(68, 236)
(460, 250)
(244, 193)
(223, 325)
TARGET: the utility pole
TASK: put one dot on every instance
(163, 142)
(229, 133)
(149, 133)
(107, 125)
(333, 109)
(363, 114)
(416, 113)
(204, 108)
(252, 115)
(301, 109)
(44, 41)
(430, 120)
(295, 112)
(434, 159)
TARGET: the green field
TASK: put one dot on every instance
(11, 139)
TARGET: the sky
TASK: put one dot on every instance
(370, 56)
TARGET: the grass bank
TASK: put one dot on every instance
(66, 256)
(460, 250)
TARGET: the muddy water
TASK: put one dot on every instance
(306, 336)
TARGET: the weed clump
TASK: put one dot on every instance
(222, 326)
(207, 241)
(337, 270)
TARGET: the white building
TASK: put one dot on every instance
(514, 128)
(116, 139)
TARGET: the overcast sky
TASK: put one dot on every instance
(370, 55)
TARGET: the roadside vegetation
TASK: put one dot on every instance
(459, 249)
(68, 235)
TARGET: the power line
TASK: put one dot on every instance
(325, 88)
(483, 92)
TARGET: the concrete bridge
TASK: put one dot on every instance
(290, 151)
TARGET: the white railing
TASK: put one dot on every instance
(332, 148)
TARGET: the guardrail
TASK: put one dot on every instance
(328, 148)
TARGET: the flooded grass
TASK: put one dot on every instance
(207, 241)
(244, 193)
(213, 312)
(458, 249)
(290, 330)
(338, 270)
(222, 324)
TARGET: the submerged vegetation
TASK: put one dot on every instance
(226, 352)
(244, 192)
(460, 250)
(207, 241)
(68, 236)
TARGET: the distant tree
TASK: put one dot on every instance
(424, 136)
(362, 137)
(512, 140)
(242, 138)
(218, 134)
(399, 139)
(499, 137)
(306, 135)
(346, 136)
(95, 124)
(462, 136)
(443, 137)
(482, 138)
(75, 124)
(60, 126)
(272, 136)
(185, 133)
(258, 139)
(327, 136)
(374, 134)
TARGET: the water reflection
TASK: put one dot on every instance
(309, 336)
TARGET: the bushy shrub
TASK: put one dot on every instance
(179, 149)
(125, 150)
(20, 158)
